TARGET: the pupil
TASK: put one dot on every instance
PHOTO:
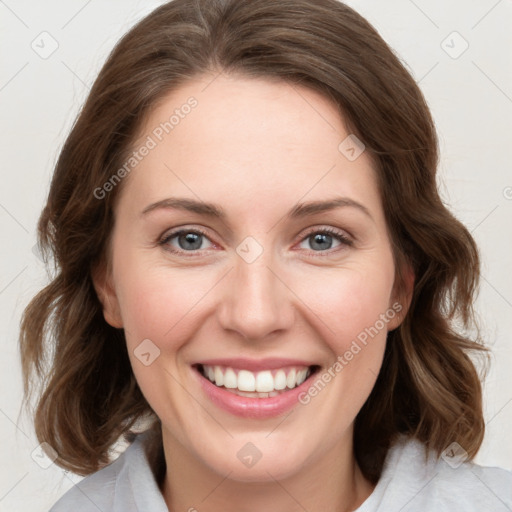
(321, 238)
(190, 238)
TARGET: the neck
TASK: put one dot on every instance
(330, 481)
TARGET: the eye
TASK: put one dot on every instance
(191, 241)
(323, 240)
(185, 240)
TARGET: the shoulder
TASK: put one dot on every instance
(94, 492)
(126, 485)
(413, 480)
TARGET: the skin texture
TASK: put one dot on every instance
(256, 148)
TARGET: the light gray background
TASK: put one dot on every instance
(470, 97)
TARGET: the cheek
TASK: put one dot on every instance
(354, 312)
(357, 342)
(152, 306)
(160, 303)
(351, 302)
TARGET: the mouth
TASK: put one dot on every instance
(254, 390)
(256, 384)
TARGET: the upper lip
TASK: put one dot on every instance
(255, 365)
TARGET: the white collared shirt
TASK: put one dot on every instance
(408, 484)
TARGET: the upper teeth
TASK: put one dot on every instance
(264, 381)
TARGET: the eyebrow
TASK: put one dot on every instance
(300, 210)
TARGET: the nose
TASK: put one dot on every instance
(256, 301)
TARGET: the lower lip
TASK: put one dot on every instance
(247, 407)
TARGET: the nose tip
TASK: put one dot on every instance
(255, 303)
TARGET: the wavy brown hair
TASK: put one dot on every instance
(428, 387)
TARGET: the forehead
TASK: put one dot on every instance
(247, 142)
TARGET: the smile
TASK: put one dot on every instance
(263, 384)
(254, 393)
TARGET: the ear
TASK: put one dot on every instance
(401, 296)
(105, 290)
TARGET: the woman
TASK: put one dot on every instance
(266, 372)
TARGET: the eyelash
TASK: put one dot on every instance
(342, 238)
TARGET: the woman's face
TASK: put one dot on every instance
(232, 262)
